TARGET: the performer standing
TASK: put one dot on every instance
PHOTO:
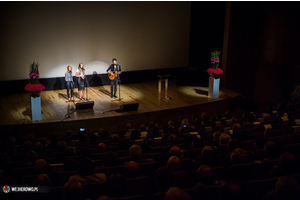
(114, 69)
(80, 73)
(69, 82)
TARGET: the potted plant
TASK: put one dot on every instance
(34, 86)
(215, 71)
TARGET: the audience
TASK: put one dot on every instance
(220, 153)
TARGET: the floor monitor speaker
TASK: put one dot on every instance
(129, 107)
(85, 105)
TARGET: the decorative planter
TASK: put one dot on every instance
(213, 87)
(36, 107)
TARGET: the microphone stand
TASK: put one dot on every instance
(86, 92)
(119, 83)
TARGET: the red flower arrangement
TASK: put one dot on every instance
(214, 60)
(34, 87)
(217, 71)
(34, 75)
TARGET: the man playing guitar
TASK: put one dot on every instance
(113, 74)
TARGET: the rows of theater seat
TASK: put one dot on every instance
(202, 156)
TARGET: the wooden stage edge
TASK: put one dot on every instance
(185, 100)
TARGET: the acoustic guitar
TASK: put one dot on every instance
(114, 74)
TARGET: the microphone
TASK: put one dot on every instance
(83, 69)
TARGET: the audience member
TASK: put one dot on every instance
(174, 164)
(40, 166)
(175, 193)
(285, 188)
(86, 172)
(73, 190)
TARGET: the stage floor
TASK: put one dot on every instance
(15, 109)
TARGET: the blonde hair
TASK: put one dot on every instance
(68, 69)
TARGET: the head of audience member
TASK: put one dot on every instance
(231, 191)
(132, 169)
(30, 158)
(286, 188)
(68, 133)
(103, 133)
(171, 123)
(109, 159)
(236, 127)
(250, 117)
(174, 164)
(142, 128)
(37, 147)
(271, 150)
(103, 197)
(266, 117)
(134, 135)
(205, 175)
(40, 166)
(239, 156)
(175, 151)
(70, 165)
(216, 135)
(27, 145)
(86, 167)
(175, 193)
(117, 185)
(93, 139)
(101, 147)
(151, 125)
(164, 179)
(260, 142)
(128, 126)
(232, 144)
(73, 190)
(42, 180)
(43, 141)
(115, 138)
(287, 164)
(61, 145)
(209, 156)
(173, 139)
(135, 152)
(224, 138)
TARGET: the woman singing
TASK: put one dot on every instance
(69, 82)
(80, 74)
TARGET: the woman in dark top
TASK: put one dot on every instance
(80, 74)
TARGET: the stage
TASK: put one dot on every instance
(58, 114)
